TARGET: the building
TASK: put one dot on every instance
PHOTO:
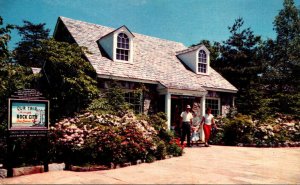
(173, 74)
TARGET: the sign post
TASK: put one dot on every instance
(28, 116)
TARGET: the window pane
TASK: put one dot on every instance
(122, 47)
(214, 105)
(135, 101)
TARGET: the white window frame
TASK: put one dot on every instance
(126, 39)
(219, 104)
(115, 44)
(201, 54)
(198, 62)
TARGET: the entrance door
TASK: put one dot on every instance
(178, 105)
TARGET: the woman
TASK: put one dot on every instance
(195, 128)
(207, 121)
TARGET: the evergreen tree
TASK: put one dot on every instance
(283, 75)
(32, 35)
(240, 64)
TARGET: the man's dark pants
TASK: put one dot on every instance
(186, 132)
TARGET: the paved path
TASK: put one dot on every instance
(216, 164)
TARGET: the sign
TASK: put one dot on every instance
(31, 94)
(28, 114)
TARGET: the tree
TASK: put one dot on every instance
(240, 64)
(32, 35)
(12, 76)
(68, 80)
(4, 39)
(283, 75)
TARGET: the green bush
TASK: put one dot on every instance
(238, 130)
(158, 121)
(166, 135)
(150, 158)
(161, 151)
(174, 150)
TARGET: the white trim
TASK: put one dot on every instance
(220, 90)
(126, 79)
(168, 109)
(203, 100)
(182, 92)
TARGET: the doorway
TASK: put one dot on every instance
(178, 105)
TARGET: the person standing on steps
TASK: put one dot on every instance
(207, 121)
(185, 124)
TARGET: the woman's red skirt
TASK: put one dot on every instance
(207, 129)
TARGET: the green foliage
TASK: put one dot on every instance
(161, 151)
(67, 79)
(12, 76)
(110, 101)
(32, 36)
(239, 63)
(115, 97)
(158, 121)
(283, 59)
(166, 135)
(100, 105)
(174, 149)
(238, 130)
(4, 39)
(150, 158)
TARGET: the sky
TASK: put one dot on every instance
(185, 21)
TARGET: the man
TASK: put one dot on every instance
(185, 124)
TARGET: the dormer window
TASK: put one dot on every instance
(196, 58)
(202, 62)
(118, 45)
(122, 50)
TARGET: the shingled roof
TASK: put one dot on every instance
(154, 60)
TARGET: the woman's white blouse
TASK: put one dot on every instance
(208, 118)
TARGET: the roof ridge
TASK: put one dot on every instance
(135, 33)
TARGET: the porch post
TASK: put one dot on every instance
(203, 105)
(168, 109)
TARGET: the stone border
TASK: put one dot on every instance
(32, 170)
(276, 145)
(112, 166)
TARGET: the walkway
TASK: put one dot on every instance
(216, 164)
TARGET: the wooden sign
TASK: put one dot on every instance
(28, 113)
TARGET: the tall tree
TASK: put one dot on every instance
(240, 64)
(32, 35)
(4, 39)
(12, 76)
(68, 80)
(283, 73)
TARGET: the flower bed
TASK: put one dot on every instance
(90, 139)
(281, 131)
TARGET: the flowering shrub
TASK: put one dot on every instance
(281, 130)
(105, 139)
(175, 148)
